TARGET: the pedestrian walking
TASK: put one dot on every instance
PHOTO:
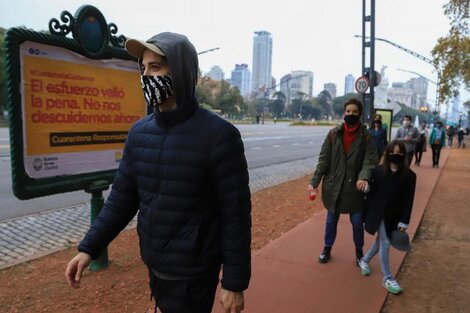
(409, 135)
(420, 146)
(450, 135)
(345, 164)
(460, 137)
(388, 210)
(379, 134)
(184, 172)
(437, 140)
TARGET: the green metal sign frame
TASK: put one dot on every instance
(101, 44)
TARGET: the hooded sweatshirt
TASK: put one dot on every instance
(184, 172)
(183, 62)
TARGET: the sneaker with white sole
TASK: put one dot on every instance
(365, 270)
(392, 286)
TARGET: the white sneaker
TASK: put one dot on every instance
(365, 270)
(392, 286)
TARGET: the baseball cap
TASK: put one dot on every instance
(136, 47)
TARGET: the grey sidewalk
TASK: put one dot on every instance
(26, 238)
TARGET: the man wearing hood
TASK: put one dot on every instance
(184, 172)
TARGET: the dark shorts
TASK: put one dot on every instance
(184, 296)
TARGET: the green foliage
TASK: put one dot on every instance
(276, 107)
(451, 55)
(221, 96)
(338, 103)
(325, 101)
(204, 94)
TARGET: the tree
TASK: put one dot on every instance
(229, 100)
(220, 95)
(325, 101)
(316, 112)
(204, 94)
(451, 54)
(276, 107)
(338, 103)
(466, 105)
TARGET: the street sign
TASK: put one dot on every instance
(362, 84)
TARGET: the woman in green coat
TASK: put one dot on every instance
(347, 158)
(437, 140)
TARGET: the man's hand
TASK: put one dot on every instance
(232, 302)
(75, 268)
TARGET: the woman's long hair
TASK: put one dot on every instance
(379, 122)
(402, 168)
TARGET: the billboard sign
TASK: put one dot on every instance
(71, 103)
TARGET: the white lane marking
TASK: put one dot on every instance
(310, 142)
(4, 146)
(276, 146)
(256, 148)
(295, 144)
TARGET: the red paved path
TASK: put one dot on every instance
(288, 278)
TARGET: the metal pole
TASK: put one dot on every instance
(372, 59)
(363, 46)
(437, 107)
(96, 189)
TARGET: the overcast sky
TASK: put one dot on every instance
(307, 34)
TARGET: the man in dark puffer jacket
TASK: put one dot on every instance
(184, 171)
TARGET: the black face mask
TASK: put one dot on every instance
(396, 159)
(157, 89)
(351, 119)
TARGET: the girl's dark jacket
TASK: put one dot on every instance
(390, 199)
(340, 171)
(185, 173)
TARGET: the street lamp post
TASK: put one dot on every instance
(368, 98)
(437, 108)
(208, 50)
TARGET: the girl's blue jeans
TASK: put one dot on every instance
(382, 245)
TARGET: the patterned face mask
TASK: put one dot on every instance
(156, 89)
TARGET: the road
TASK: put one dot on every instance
(265, 145)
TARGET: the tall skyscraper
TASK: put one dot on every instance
(331, 88)
(216, 73)
(262, 58)
(348, 84)
(419, 85)
(241, 79)
(297, 84)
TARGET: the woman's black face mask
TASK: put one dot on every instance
(397, 159)
(351, 119)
